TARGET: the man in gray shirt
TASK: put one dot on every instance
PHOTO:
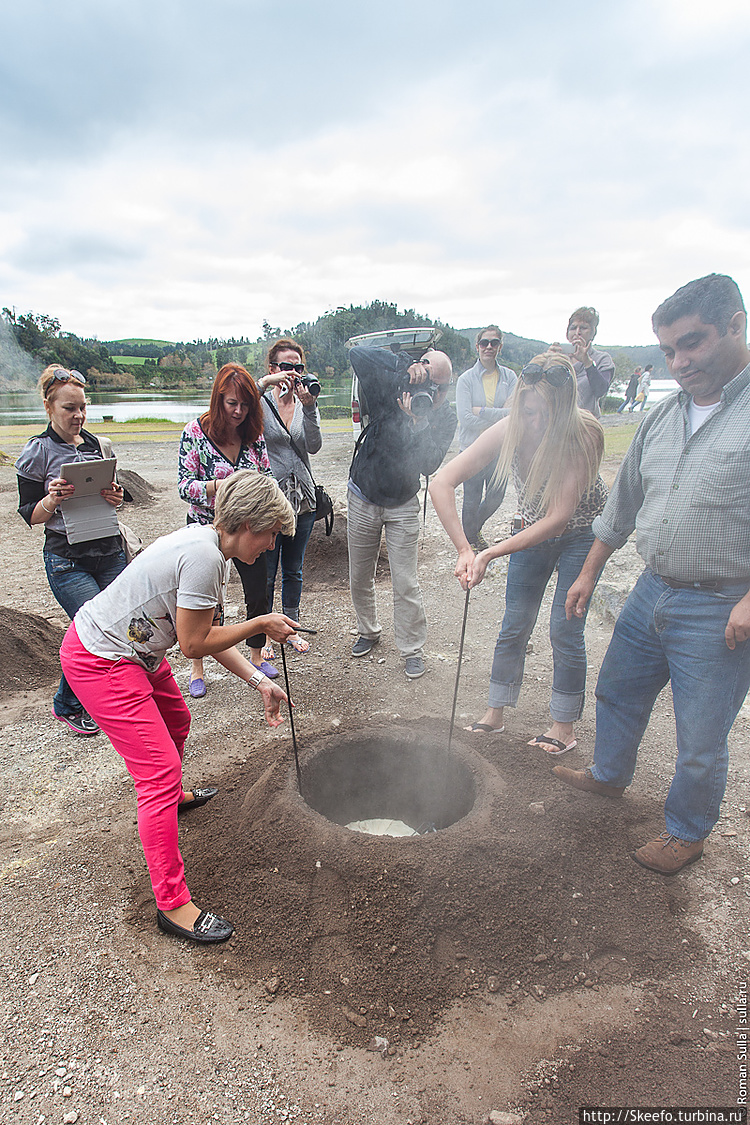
(594, 368)
(684, 486)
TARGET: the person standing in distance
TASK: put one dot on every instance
(683, 486)
(481, 396)
(594, 368)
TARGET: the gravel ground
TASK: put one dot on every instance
(106, 1020)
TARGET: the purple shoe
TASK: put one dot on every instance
(198, 687)
(267, 669)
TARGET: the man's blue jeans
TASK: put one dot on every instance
(291, 549)
(73, 582)
(529, 572)
(661, 635)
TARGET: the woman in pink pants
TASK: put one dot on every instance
(113, 655)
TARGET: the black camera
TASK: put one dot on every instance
(311, 384)
(422, 395)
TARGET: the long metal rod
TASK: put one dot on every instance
(458, 669)
(291, 721)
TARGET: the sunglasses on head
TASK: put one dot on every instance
(557, 376)
(298, 367)
(494, 343)
(63, 376)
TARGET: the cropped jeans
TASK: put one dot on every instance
(529, 571)
(290, 549)
(74, 582)
(665, 635)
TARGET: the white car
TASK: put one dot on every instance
(414, 341)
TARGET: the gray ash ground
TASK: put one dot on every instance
(517, 961)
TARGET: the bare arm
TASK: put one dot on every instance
(198, 636)
(738, 626)
(583, 587)
(443, 490)
(273, 696)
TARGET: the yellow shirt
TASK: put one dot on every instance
(489, 382)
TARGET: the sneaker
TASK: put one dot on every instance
(668, 854)
(480, 543)
(363, 645)
(414, 667)
(82, 723)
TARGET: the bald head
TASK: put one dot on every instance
(441, 368)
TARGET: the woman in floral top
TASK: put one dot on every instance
(228, 437)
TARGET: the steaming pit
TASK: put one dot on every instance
(389, 785)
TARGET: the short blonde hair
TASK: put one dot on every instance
(252, 498)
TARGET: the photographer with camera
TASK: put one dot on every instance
(291, 427)
(411, 426)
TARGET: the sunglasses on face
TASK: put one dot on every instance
(557, 376)
(490, 343)
(298, 367)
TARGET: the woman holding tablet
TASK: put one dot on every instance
(75, 571)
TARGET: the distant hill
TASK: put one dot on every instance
(140, 342)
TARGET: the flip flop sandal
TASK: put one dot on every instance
(484, 728)
(544, 741)
(299, 644)
(267, 653)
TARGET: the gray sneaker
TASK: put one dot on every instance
(414, 667)
(363, 645)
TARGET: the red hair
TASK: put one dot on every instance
(233, 378)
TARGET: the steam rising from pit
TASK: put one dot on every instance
(18, 371)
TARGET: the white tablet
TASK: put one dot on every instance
(87, 515)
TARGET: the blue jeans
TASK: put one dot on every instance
(661, 635)
(529, 572)
(73, 582)
(291, 549)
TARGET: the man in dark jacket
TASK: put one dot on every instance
(401, 443)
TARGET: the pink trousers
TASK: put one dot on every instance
(147, 721)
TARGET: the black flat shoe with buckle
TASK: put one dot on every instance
(200, 797)
(208, 928)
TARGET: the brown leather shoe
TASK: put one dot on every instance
(583, 779)
(668, 854)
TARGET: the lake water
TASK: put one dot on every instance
(26, 407)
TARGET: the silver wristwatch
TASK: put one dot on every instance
(256, 679)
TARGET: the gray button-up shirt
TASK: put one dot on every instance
(687, 495)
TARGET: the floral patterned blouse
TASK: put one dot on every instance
(201, 461)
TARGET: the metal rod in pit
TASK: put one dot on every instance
(291, 720)
(458, 669)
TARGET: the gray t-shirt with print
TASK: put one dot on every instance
(134, 618)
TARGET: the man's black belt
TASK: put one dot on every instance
(716, 584)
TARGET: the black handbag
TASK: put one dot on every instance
(323, 502)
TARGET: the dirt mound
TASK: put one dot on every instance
(527, 902)
(139, 490)
(29, 651)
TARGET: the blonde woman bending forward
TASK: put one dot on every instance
(552, 450)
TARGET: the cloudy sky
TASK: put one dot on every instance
(176, 169)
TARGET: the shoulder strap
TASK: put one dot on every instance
(305, 460)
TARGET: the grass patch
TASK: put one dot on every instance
(148, 422)
(617, 439)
